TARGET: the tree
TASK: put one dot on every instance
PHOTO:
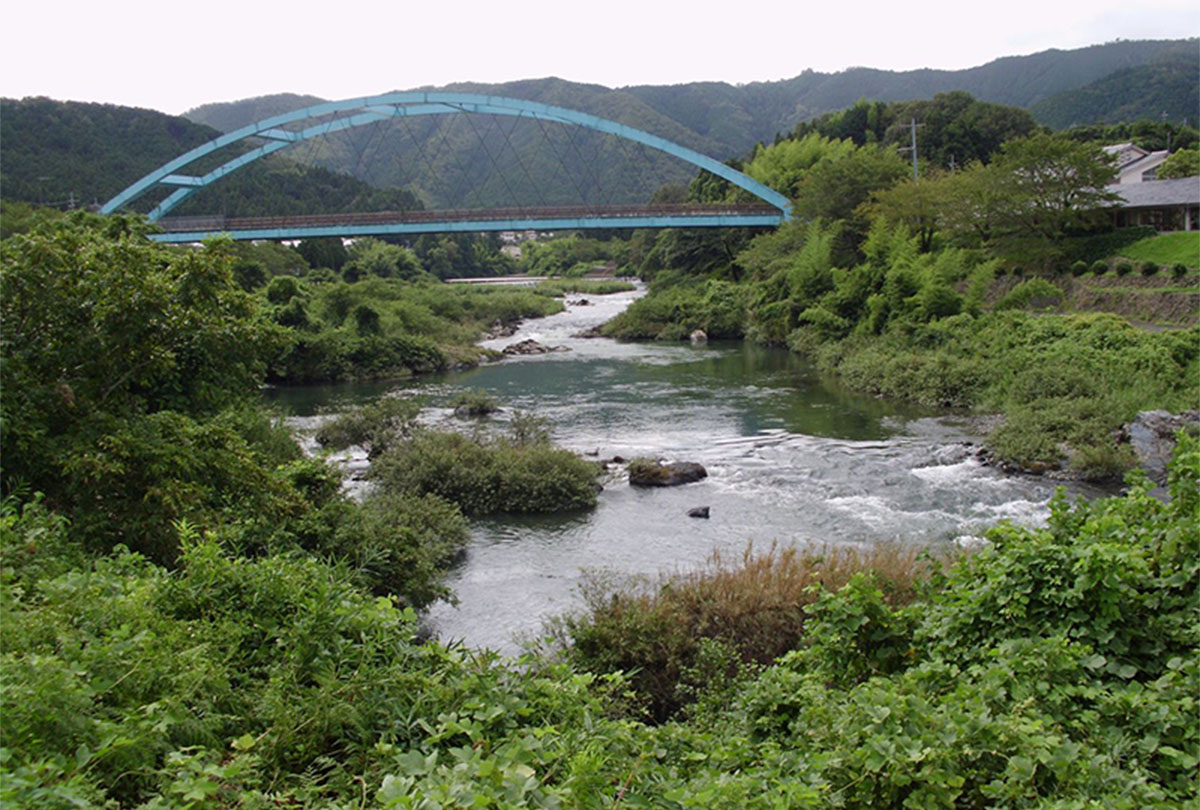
(838, 184)
(127, 370)
(957, 129)
(1051, 186)
(373, 257)
(785, 165)
(1184, 163)
(918, 204)
(324, 252)
(973, 203)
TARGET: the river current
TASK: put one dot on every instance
(791, 457)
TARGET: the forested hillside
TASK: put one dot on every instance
(718, 119)
(58, 151)
(1166, 88)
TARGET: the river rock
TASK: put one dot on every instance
(1152, 436)
(593, 332)
(531, 346)
(646, 472)
(699, 337)
(698, 512)
(500, 329)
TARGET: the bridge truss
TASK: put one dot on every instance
(279, 132)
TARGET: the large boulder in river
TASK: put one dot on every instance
(1152, 436)
(531, 346)
(648, 472)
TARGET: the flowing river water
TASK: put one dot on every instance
(791, 457)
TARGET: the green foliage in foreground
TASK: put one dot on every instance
(1056, 668)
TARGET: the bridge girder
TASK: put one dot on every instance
(356, 112)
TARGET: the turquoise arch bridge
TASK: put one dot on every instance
(279, 132)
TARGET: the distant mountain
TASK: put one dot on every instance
(1169, 86)
(453, 161)
(228, 116)
(59, 152)
(52, 151)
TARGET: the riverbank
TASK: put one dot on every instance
(950, 329)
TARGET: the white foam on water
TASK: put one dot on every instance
(1021, 512)
(944, 474)
(873, 510)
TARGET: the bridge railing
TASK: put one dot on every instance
(223, 223)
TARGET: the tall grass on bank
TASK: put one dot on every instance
(685, 633)
(582, 286)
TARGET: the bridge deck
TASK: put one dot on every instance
(188, 229)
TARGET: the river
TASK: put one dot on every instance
(791, 457)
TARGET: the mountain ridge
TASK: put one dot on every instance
(718, 119)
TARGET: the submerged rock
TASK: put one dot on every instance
(646, 472)
(698, 512)
(699, 337)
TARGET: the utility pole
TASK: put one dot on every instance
(913, 121)
(913, 126)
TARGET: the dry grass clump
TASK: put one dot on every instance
(753, 608)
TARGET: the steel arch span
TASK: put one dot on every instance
(343, 115)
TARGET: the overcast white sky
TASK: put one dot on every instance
(173, 56)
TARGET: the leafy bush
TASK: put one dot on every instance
(1124, 268)
(1036, 293)
(1148, 268)
(753, 609)
(1101, 246)
(483, 476)
(1099, 267)
(373, 426)
(675, 311)
(1063, 382)
(400, 545)
(474, 403)
(1078, 268)
(1178, 270)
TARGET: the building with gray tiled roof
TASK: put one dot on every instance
(1165, 205)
